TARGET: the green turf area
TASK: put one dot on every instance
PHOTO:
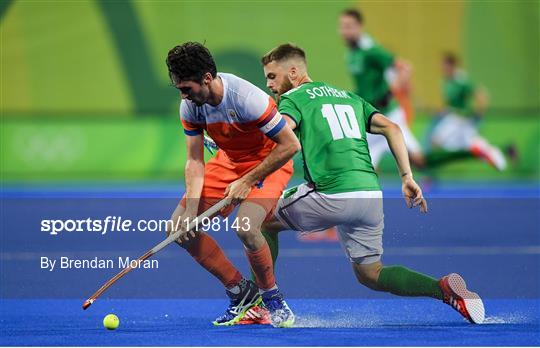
(153, 148)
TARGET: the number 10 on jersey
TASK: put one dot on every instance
(342, 121)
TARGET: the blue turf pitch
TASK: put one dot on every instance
(488, 233)
(343, 322)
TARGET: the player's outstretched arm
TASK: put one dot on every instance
(287, 145)
(391, 131)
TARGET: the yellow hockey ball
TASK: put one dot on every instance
(111, 322)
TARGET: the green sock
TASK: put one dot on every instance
(440, 157)
(402, 281)
(273, 243)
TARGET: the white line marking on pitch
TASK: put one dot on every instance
(297, 252)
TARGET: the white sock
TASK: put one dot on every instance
(262, 291)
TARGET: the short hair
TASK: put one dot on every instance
(284, 52)
(450, 58)
(190, 61)
(354, 13)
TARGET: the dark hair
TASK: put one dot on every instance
(284, 52)
(354, 13)
(189, 62)
(450, 58)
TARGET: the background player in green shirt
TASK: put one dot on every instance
(464, 104)
(342, 187)
(378, 76)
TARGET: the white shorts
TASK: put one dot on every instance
(378, 145)
(454, 132)
(358, 216)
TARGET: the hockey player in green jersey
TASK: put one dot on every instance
(342, 188)
(455, 130)
(382, 80)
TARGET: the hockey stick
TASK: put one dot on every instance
(210, 212)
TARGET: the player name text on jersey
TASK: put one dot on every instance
(325, 91)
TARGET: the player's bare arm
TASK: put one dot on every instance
(481, 101)
(290, 121)
(194, 176)
(391, 131)
(403, 75)
(287, 145)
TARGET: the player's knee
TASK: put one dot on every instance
(368, 275)
(246, 233)
(248, 227)
(251, 237)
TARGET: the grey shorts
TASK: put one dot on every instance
(358, 217)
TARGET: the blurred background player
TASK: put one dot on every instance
(251, 168)
(342, 188)
(382, 80)
(455, 130)
(379, 77)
